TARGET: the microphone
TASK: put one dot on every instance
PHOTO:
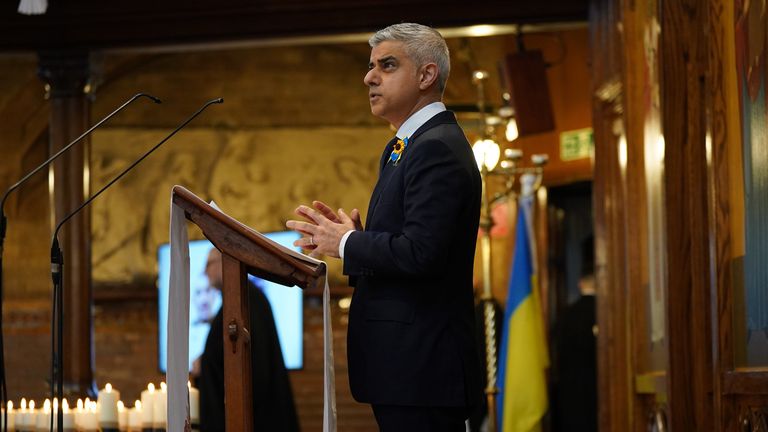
(3, 226)
(57, 270)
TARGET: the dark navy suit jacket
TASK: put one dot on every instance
(411, 323)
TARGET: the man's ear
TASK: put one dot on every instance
(428, 76)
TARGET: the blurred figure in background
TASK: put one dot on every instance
(273, 408)
(575, 386)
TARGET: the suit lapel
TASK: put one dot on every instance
(386, 171)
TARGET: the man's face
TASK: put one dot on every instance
(213, 269)
(393, 82)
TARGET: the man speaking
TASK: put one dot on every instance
(411, 347)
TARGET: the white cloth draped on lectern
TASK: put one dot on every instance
(178, 333)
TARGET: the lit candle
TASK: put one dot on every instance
(134, 417)
(147, 403)
(69, 417)
(31, 416)
(159, 411)
(11, 417)
(107, 411)
(122, 416)
(43, 421)
(194, 406)
(21, 417)
(89, 417)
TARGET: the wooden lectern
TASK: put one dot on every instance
(243, 251)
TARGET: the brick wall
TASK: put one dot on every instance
(126, 356)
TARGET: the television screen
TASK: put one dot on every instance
(205, 301)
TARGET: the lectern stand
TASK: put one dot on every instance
(243, 251)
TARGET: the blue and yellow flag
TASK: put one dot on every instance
(523, 359)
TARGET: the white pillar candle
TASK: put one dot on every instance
(31, 416)
(107, 407)
(11, 417)
(134, 417)
(194, 404)
(43, 421)
(69, 417)
(89, 418)
(147, 404)
(79, 408)
(159, 411)
(21, 416)
(122, 416)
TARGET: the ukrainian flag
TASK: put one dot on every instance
(523, 359)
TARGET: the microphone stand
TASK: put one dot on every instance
(3, 226)
(57, 271)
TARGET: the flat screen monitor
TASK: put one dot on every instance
(205, 301)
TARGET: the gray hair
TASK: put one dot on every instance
(423, 44)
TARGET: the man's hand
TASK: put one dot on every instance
(323, 229)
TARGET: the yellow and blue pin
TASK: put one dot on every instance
(397, 150)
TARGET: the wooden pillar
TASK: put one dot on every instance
(66, 74)
(684, 50)
(614, 362)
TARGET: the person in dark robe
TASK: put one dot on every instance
(273, 407)
(575, 398)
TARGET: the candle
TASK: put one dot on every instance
(31, 423)
(43, 421)
(11, 417)
(159, 411)
(78, 414)
(21, 416)
(107, 408)
(122, 416)
(69, 417)
(194, 406)
(89, 421)
(147, 403)
(134, 417)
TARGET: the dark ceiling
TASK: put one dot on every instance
(95, 24)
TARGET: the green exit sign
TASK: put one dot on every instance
(576, 144)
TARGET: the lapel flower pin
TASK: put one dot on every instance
(397, 150)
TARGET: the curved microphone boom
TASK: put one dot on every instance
(3, 225)
(57, 269)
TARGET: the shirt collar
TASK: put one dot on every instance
(415, 121)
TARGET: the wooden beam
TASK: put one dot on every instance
(97, 24)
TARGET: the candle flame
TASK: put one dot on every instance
(79, 404)
(137, 404)
(94, 407)
(108, 388)
(10, 406)
(65, 405)
(23, 404)
(31, 405)
(55, 404)
(163, 387)
(151, 388)
(120, 406)
(87, 402)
